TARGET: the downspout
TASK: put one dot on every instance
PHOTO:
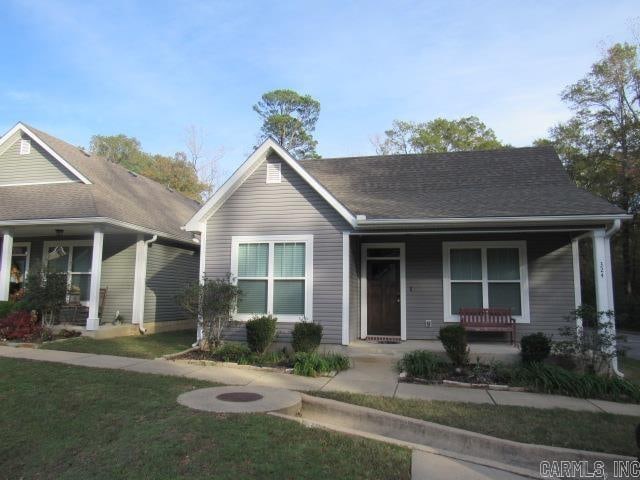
(615, 228)
(141, 328)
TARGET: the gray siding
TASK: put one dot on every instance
(169, 268)
(290, 207)
(118, 266)
(37, 166)
(550, 267)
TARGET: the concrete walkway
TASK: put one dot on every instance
(373, 374)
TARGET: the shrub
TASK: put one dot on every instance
(535, 348)
(68, 333)
(422, 364)
(314, 364)
(46, 292)
(20, 326)
(306, 337)
(211, 304)
(454, 341)
(552, 379)
(260, 332)
(6, 308)
(232, 352)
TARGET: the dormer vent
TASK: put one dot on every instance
(274, 173)
(25, 146)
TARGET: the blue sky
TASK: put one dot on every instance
(150, 69)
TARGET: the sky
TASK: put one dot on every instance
(151, 69)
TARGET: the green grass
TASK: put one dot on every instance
(631, 369)
(70, 422)
(141, 346)
(601, 432)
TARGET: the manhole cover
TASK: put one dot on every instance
(239, 397)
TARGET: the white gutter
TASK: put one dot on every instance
(141, 328)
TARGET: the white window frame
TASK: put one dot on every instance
(69, 244)
(27, 255)
(483, 246)
(365, 247)
(308, 278)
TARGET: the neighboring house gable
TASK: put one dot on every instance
(24, 162)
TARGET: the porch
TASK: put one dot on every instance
(105, 267)
(405, 286)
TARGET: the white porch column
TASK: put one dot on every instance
(93, 321)
(577, 287)
(5, 264)
(202, 271)
(345, 287)
(604, 281)
(139, 281)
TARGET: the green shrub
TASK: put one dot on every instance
(552, 379)
(422, 364)
(314, 364)
(306, 337)
(260, 332)
(232, 352)
(6, 308)
(454, 341)
(535, 348)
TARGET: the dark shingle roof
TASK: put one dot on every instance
(114, 193)
(492, 183)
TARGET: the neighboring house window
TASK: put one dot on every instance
(484, 275)
(75, 260)
(274, 275)
(25, 147)
(274, 172)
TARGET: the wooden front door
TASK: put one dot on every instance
(383, 297)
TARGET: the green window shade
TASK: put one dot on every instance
(503, 263)
(81, 260)
(253, 296)
(289, 259)
(81, 283)
(466, 264)
(253, 259)
(505, 295)
(288, 297)
(465, 295)
(60, 264)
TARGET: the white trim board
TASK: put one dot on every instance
(251, 164)
(23, 128)
(521, 245)
(346, 284)
(363, 284)
(308, 278)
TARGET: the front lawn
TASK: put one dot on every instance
(600, 432)
(69, 422)
(140, 346)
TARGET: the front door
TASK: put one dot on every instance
(383, 297)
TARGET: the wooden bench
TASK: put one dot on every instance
(488, 320)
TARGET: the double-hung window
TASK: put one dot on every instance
(76, 263)
(485, 275)
(275, 276)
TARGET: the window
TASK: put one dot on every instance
(274, 172)
(25, 147)
(483, 275)
(274, 275)
(75, 260)
(19, 267)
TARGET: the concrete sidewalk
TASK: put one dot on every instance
(372, 375)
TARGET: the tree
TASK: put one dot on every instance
(291, 119)
(600, 144)
(438, 135)
(120, 149)
(176, 173)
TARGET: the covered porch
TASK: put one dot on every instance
(404, 286)
(105, 267)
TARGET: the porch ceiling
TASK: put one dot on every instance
(70, 230)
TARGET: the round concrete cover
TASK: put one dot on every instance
(240, 399)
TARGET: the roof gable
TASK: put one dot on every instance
(45, 149)
(244, 172)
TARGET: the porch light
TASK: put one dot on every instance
(58, 251)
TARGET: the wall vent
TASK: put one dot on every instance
(274, 174)
(25, 147)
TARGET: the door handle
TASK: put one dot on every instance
(398, 299)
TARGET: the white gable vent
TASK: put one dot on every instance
(274, 174)
(25, 147)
